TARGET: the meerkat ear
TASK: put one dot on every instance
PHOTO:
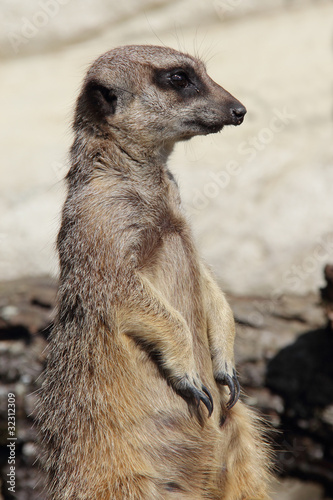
(100, 99)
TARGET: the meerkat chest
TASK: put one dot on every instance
(166, 235)
(175, 271)
(162, 240)
(171, 262)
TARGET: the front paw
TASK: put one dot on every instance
(191, 388)
(224, 378)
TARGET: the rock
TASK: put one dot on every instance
(297, 402)
(302, 374)
(327, 415)
(293, 489)
(327, 293)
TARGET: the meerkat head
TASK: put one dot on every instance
(154, 97)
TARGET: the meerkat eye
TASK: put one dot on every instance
(184, 81)
(180, 80)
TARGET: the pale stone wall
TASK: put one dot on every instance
(259, 196)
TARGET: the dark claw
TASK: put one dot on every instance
(237, 388)
(210, 405)
(234, 387)
(230, 383)
(207, 400)
(204, 396)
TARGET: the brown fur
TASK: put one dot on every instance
(142, 329)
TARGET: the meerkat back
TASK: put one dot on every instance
(140, 397)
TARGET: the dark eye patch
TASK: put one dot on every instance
(182, 80)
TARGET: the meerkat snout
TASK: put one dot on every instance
(238, 114)
(154, 95)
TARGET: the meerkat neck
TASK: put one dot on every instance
(145, 157)
(109, 155)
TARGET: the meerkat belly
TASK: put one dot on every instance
(180, 448)
(174, 270)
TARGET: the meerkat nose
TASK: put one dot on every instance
(238, 114)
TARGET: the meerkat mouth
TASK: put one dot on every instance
(213, 129)
(203, 128)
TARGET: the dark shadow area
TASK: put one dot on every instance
(15, 332)
(302, 374)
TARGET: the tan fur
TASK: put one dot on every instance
(142, 329)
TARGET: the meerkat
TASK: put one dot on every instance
(139, 400)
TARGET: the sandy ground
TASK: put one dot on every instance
(259, 195)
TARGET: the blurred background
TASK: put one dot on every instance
(259, 198)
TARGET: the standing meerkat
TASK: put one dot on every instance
(142, 345)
